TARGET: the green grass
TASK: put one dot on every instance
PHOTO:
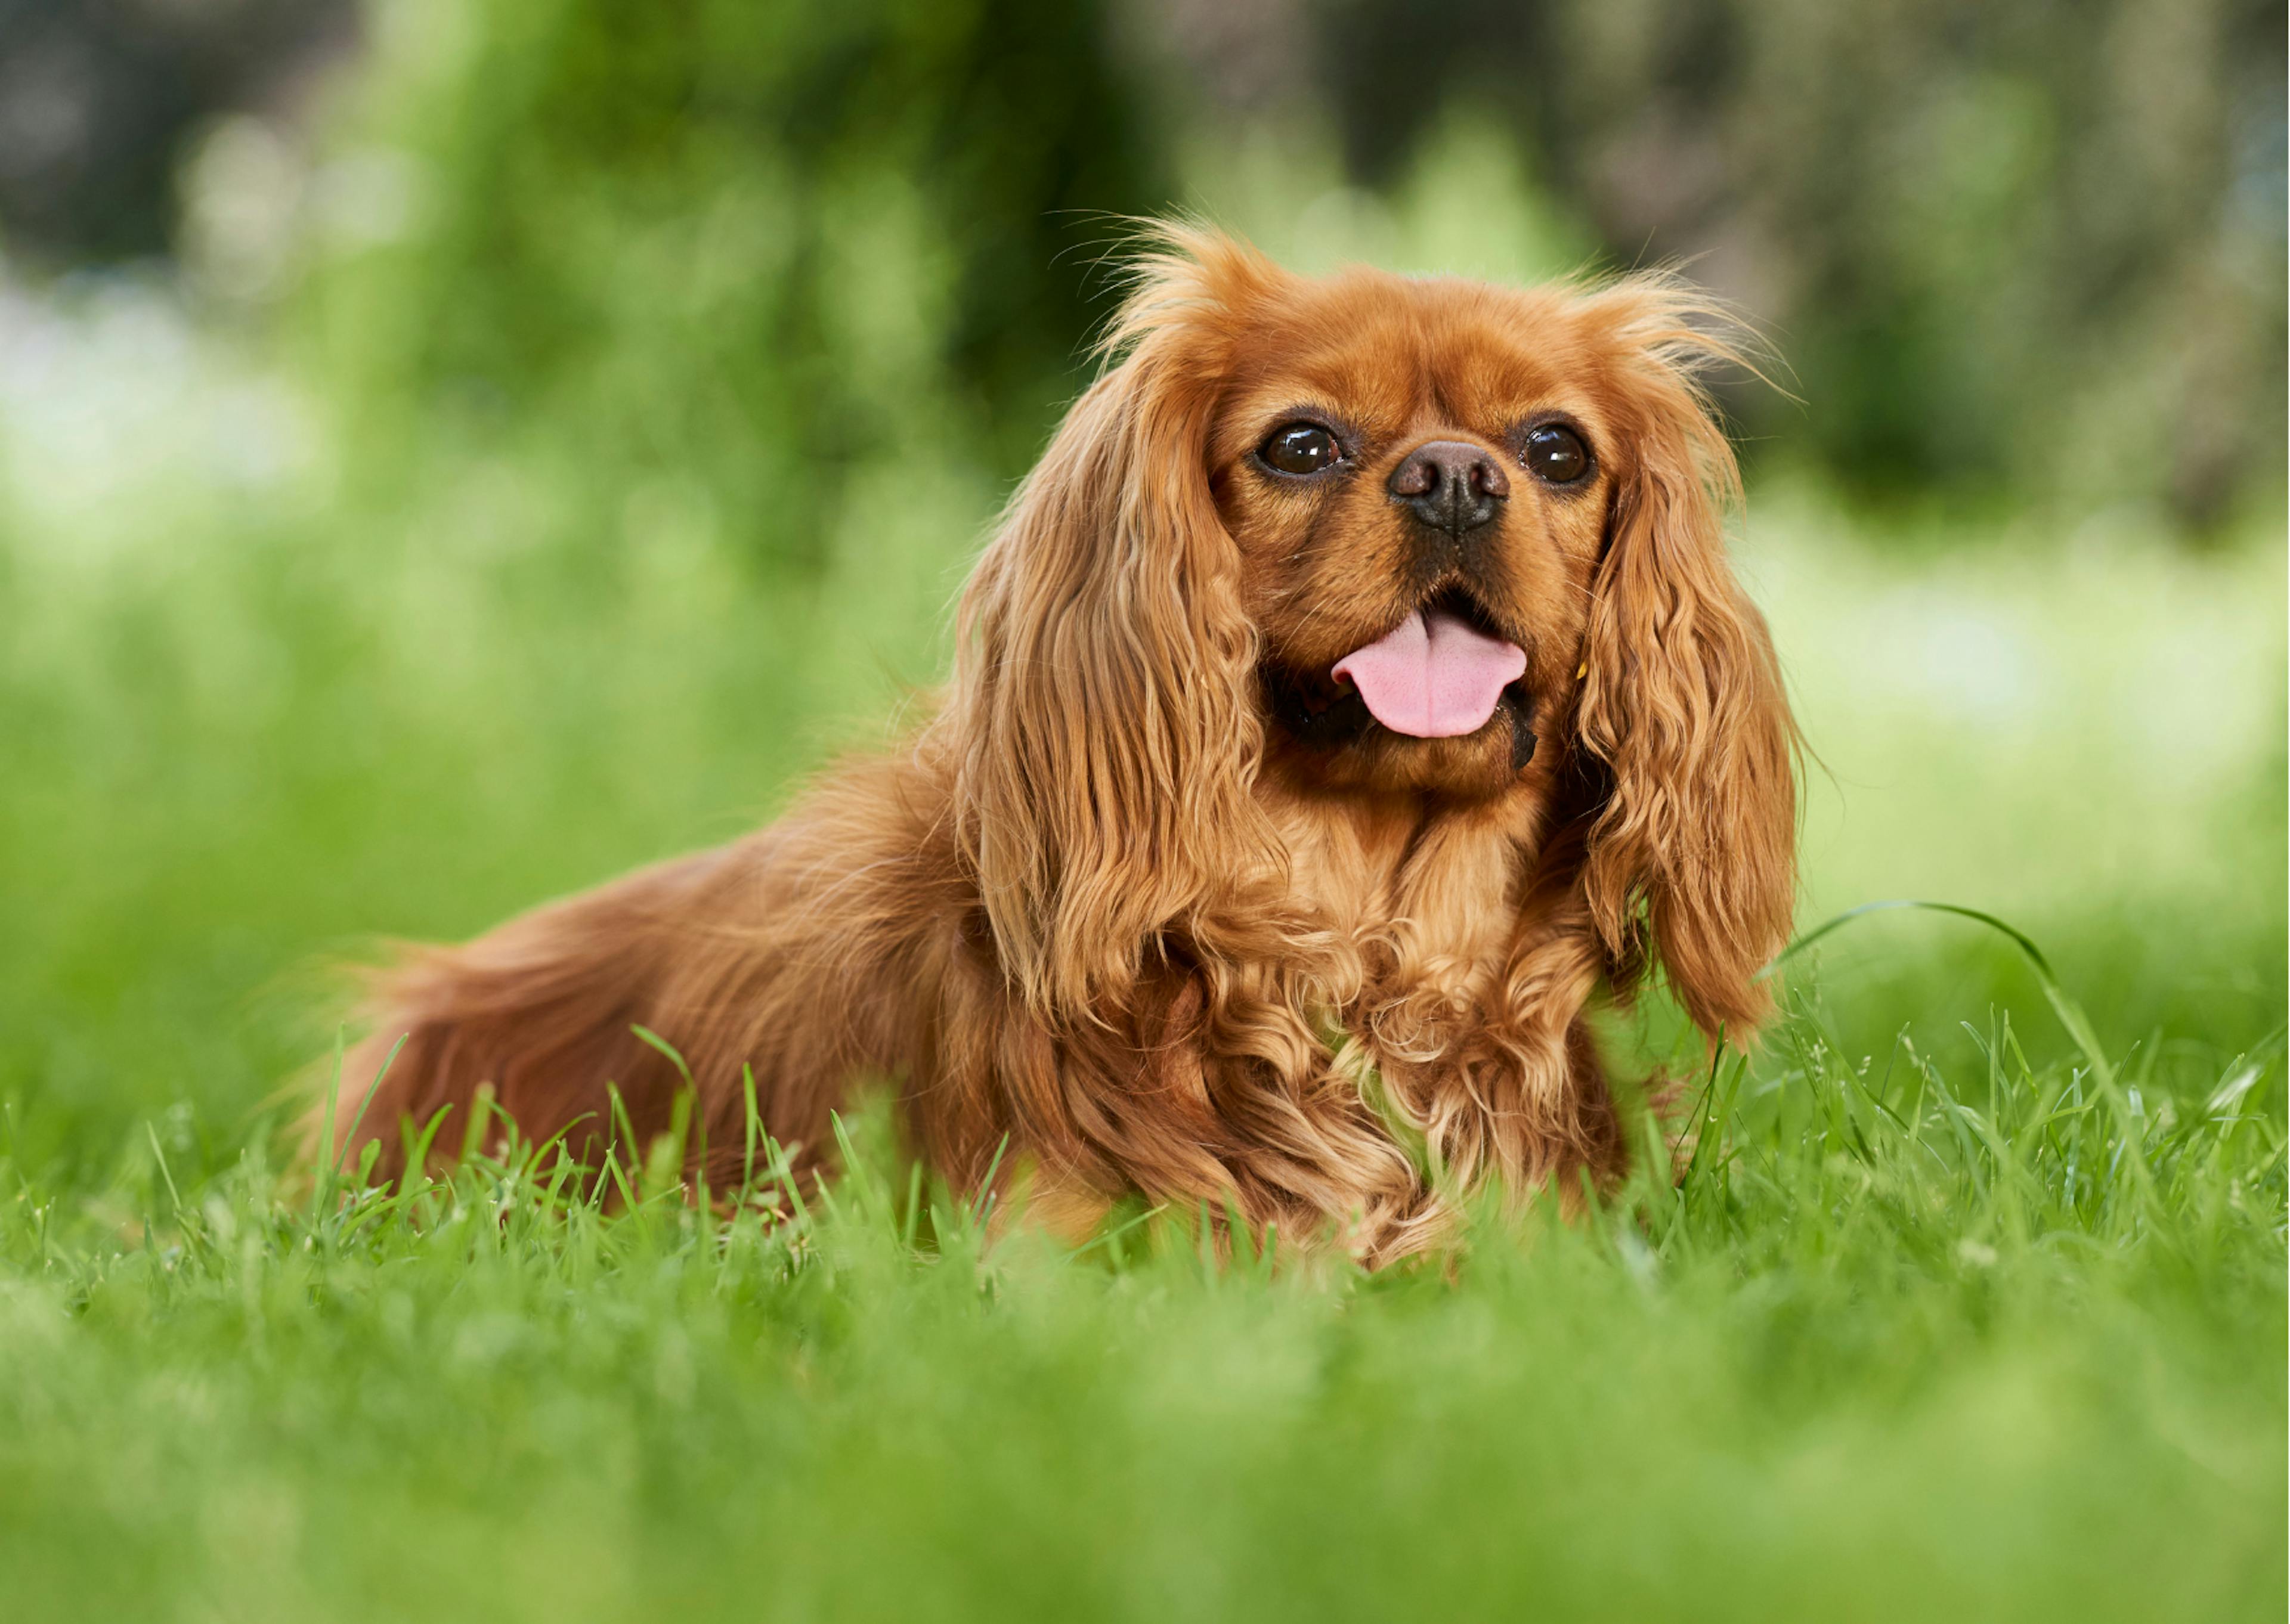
(1897, 1346)
(1958, 1313)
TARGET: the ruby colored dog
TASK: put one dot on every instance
(1357, 683)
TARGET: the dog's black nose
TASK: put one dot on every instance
(1450, 485)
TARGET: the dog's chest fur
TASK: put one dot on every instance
(1427, 897)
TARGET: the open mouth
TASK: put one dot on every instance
(1439, 674)
(1445, 672)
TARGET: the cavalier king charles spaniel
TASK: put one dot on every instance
(1355, 686)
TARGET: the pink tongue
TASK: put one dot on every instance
(1435, 678)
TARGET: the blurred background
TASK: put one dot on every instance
(454, 450)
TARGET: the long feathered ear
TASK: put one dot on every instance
(1682, 702)
(1107, 739)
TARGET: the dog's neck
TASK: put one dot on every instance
(1438, 881)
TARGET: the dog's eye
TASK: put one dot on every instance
(1555, 453)
(1301, 448)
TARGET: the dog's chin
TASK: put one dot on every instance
(1321, 736)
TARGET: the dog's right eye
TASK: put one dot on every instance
(1301, 448)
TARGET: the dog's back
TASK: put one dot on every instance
(753, 958)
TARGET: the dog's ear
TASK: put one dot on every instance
(1682, 703)
(1102, 713)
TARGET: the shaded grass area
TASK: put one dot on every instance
(1898, 1344)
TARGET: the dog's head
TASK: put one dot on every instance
(1377, 537)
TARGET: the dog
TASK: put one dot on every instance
(1355, 687)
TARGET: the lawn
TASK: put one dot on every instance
(1971, 1303)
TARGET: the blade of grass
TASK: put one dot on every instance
(2070, 1012)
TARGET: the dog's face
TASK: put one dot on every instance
(1416, 477)
(1363, 535)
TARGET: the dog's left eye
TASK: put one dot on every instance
(1301, 448)
(1555, 453)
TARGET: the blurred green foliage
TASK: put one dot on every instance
(755, 247)
(2017, 250)
(2033, 248)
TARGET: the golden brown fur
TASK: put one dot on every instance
(1116, 906)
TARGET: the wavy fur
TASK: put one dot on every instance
(1104, 909)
